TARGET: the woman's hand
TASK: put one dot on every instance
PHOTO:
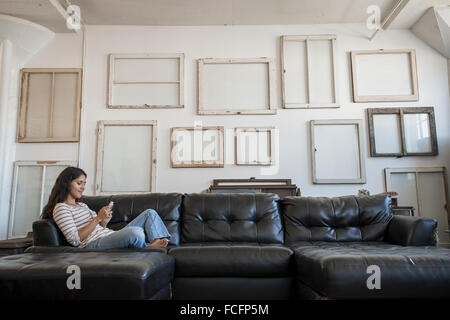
(105, 215)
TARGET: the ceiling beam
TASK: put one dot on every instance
(392, 14)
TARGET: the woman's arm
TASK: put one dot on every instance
(64, 220)
(84, 232)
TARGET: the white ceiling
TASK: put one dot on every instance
(214, 12)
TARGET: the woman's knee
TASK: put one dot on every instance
(151, 213)
(135, 236)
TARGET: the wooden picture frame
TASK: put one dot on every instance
(246, 85)
(132, 144)
(383, 78)
(263, 152)
(400, 134)
(185, 141)
(32, 184)
(143, 81)
(342, 141)
(425, 189)
(50, 105)
(298, 71)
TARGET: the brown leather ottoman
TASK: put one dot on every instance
(87, 275)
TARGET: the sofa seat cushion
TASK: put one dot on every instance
(340, 269)
(231, 260)
(68, 249)
(112, 275)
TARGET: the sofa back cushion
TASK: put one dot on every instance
(231, 217)
(128, 207)
(348, 218)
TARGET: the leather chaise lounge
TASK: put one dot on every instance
(257, 246)
(336, 240)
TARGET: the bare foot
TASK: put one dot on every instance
(155, 243)
(164, 242)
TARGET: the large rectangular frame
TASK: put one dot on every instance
(362, 171)
(24, 104)
(112, 81)
(307, 39)
(401, 111)
(382, 98)
(202, 109)
(202, 164)
(100, 147)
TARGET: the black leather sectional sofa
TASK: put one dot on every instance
(257, 246)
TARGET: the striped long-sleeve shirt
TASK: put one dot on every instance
(70, 219)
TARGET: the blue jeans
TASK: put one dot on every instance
(148, 223)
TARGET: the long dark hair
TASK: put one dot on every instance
(61, 189)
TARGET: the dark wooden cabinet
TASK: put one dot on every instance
(403, 211)
(281, 187)
(15, 246)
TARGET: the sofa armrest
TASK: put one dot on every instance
(412, 231)
(47, 233)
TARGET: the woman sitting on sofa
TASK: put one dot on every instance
(84, 228)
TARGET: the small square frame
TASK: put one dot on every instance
(219, 163)
(271, 143)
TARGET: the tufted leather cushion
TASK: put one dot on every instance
(106, 275)
(231, 217)
(339, 269)
(348, 218)
(128, 207)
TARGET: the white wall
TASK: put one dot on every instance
(238, 42)
(20, 39)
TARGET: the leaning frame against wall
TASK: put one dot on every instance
(50, 105)
(126, 157)
(337, 151)
(152, 80)
(425, 189)
(32, 184)
(384, 75)
(236, 86)
(397, 132)
(309, 71)
(197, 147)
